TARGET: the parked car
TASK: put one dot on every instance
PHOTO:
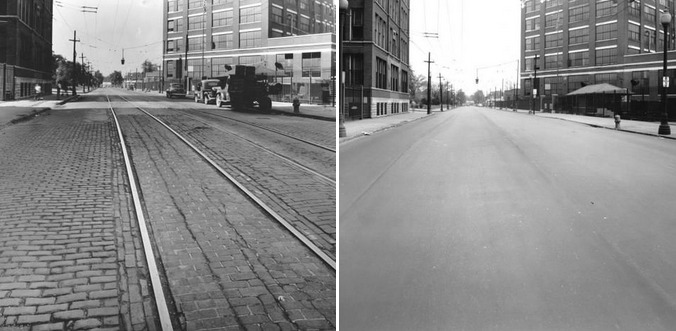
(207, 90)
(175, 89)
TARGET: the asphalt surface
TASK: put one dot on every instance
(485, 220)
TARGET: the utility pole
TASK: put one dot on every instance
(89, 84)
(429, 84)
(74, 40)
(84, 74)
(441, 93)
(536, 85)
(502, 88)
(516, 91)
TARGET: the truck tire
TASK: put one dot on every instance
(219, 101)
(235, 102)
(265, 104)
(197, 98)
(205, 99)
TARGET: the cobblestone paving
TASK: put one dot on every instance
(228, 265)
(296, 195)
(318, 131)
(69, 255)
(313, 157)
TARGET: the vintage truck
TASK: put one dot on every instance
(243, 88)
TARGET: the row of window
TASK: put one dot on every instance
(395, 108)
(354, 73)
(296, 24)
(218, 19)
(177, 5)
(604, 56)
(388, 38)
(310, 65)
(567, 84)
(603, 9)
(247, 39)
(652, 41)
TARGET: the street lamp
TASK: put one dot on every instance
(664, 129)
(342, 132)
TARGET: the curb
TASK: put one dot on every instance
(348, 139)
(34, 113)
(37, 111)
(68, 99)
(605, 127)
(317, 117)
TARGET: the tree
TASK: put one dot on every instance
(116, 78)
(57, 61)
(98, 78)
(460, 97)
(478, 97)
(416, 86)
(148, 66)
(65, 74)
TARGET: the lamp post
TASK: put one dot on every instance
(342, 132)
(664, 129)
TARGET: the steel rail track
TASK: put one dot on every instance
(158, 292)
(300, 236)
(269, 151)
(275, 131)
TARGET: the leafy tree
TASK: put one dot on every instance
(416, 86)
(460, 97)
(57, 61)
(116, 78)
(98, 78)
(66, 74)
(478, 97)
(148, 66)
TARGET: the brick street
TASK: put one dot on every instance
(71, 255)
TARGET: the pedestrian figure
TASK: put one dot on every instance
(38, 91)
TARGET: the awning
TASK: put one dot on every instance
(599, 89)
(260, 70)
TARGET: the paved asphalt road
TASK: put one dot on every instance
(477, 219)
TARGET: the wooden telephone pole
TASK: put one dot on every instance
(74, 40)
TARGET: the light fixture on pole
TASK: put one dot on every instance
(664, 129)
(342, 132)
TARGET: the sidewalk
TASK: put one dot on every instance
(320, 112)
(640, 127)
(20, 110)
(365, 127)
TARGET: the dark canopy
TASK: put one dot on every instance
(598, 89)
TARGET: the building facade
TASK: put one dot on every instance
(376, 58)
(580, 42)
(295, 39)
(25, 47)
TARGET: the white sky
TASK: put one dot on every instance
(117, 24)
(472, 34)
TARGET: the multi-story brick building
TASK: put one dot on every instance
(375, 62)
(298, 34)
(25, 47)
(582, 42)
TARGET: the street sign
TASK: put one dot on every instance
(665, 81)
(535, 92)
